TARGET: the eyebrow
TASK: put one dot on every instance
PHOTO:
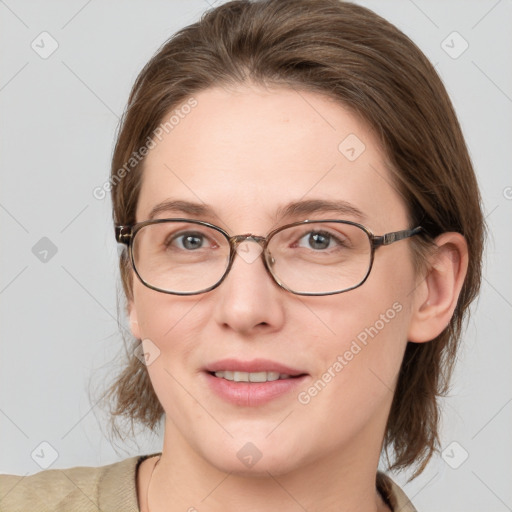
(309, 206)
(187, 207)
(292, 209)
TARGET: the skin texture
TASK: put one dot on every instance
(245, 151)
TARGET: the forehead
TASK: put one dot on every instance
(248, 151)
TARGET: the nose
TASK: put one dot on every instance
(248, 299)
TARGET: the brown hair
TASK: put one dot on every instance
(348, 53)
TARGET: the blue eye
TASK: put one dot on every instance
(189, 240)
(319, 240)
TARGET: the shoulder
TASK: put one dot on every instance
(107, 488)
(393, 494)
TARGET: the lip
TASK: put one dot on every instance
(252, 394)
(256, 365)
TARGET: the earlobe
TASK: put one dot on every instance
(134, 322)
(437, 295)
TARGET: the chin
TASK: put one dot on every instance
(254, 459)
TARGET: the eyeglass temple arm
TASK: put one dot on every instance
(395, 236)
(123, 234)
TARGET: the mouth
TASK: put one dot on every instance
(252, 383)
(256, 370)
(237, 376)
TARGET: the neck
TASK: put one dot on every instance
(184, 481)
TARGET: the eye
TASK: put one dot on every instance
(189, 240)
(319, 240)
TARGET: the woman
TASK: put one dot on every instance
(303, 238)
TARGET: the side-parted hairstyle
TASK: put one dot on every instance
(350, 54)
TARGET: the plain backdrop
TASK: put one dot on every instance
(59, 279)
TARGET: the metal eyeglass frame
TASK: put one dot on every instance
(126, 234)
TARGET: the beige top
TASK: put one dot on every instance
(111, 488)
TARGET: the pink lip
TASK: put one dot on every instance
(250, 394)
(256, 365)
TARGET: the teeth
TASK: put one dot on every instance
(240, 377)
(251, 376)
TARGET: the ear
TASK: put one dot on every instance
(437, 294)
(134, 322)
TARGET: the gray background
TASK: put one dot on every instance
(58, 317)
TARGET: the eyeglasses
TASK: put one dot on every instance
(310, 257)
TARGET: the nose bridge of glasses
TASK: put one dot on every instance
(238, 239)
(247, 251)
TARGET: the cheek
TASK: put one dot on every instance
(354, 382)
(168, 326)
(363, 340)
(159, 315)
(361, 354)
(163, 324)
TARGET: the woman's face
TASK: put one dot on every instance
(247, 153)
